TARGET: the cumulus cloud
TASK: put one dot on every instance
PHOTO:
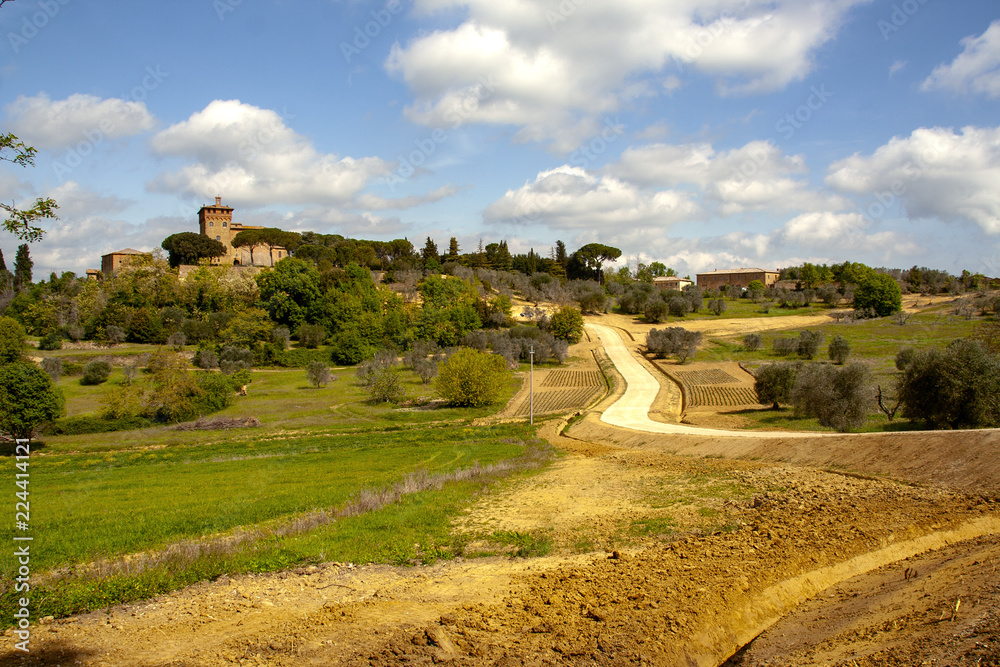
(756, 176)
(251, 156)
(90, 225)
(570, 198)
(376, 203)
(76, 201)
(554, 70)
(45, 123)
(975, 70)
(933, 173)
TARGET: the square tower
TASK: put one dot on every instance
(216, 221)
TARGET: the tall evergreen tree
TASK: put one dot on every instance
(560, 260)
(22, 266)
(3, 264)
(453, 248)
(429, 254)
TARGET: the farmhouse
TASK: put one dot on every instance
(672, 282)
(216, 222)
(738, 277)
(117, 259)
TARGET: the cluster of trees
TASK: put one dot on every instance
(673, 341)
(916, 280)
(839, 397)
(954, 387)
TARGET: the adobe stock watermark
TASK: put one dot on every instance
(791, 122)
(251, 148)
(22, 550)
(787, 125)
(363, 35)
(426, 147)
(598, 146)
(223, 7)
(884, 200)
(992, 266)
(95, 136)
(31, 25)
(562, 12)
(899, 17)
(535, 203)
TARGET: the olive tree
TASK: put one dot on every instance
(774, 383)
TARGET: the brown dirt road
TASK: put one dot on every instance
(667, 550)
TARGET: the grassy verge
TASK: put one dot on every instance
(113, 529)
(327, 476)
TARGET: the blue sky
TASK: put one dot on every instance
(705, 134)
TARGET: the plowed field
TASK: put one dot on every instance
(562, 391)
(713, 385)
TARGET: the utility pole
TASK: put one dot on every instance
(531, 384)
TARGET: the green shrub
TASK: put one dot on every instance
(28, 399)
(808, 343)
(51, 341)
(12, 340)
(217, 392)
(96, 372)
(93, 424)
(301, 358)
(311, 336)
(752, 342)
(234, 359)
(72, 368)
(567, 324)
(472, 378)
(904, 357)
(878, 292)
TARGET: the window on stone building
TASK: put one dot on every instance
(223, 223)
(218, 238)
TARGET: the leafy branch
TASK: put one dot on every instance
(21, 221)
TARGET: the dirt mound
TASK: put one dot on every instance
(687, 602)
(967, 460)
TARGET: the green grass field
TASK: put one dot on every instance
(126, 515)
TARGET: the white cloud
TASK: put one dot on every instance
(249, 155)
(570, 198)
(933, 173)
(975, 70)
(89, 226)
(897, 66)
(376, 203)
(756, 176)
(555, 69)
(76, 201)
(45, 123)
(825, 227)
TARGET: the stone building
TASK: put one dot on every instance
(738, 277)
(216, 222)
(117, 259)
